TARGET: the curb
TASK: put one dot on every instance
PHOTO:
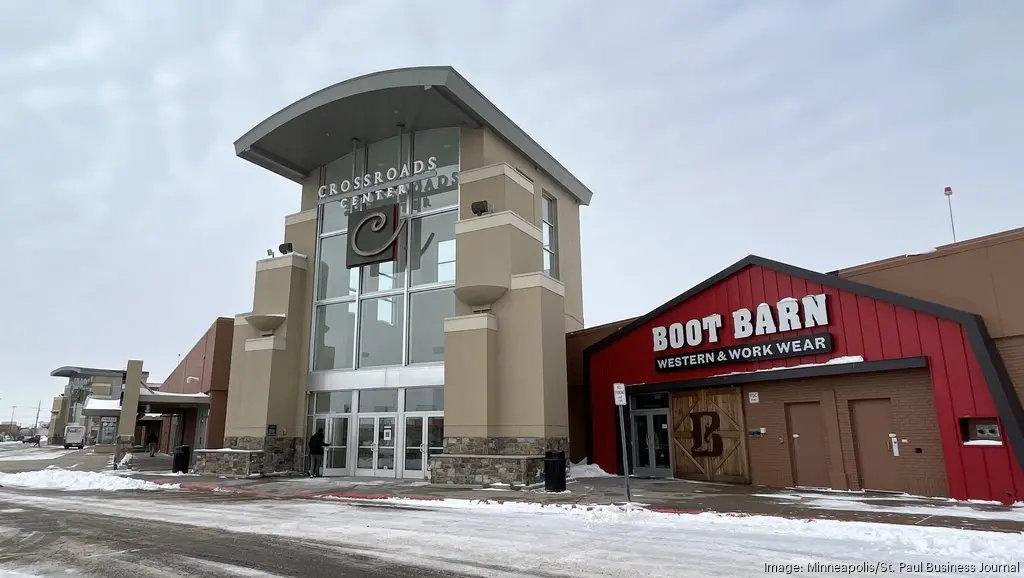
(357, 496)
(366, 497)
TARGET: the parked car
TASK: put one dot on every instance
(30, 440)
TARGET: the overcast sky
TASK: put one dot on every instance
(817, 133)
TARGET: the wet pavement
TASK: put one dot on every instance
(37, 543)
(18, 457)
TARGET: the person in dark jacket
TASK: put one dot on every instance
(316, 453)
(151, 441)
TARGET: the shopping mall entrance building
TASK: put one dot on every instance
(418, 307)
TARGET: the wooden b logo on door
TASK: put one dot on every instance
(706, 442)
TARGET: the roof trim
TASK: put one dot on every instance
(455, 87)
(1004, 397)
(783, 374)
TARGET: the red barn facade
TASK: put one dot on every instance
(779, 376)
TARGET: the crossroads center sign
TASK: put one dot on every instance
(373, 235)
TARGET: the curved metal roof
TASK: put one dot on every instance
(320, 127)
(74, 371)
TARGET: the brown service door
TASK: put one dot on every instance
(875, 444)
(808, 449)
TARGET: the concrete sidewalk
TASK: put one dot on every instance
(675, 496)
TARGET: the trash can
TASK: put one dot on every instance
(554, 471)
(180, 459)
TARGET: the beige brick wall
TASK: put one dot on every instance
(1011, 349)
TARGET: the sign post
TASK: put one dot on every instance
(620, 401)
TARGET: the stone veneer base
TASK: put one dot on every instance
(493, 460)
(264, 456)
(229, 463)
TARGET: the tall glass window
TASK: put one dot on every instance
(392, 313)
(549, 234)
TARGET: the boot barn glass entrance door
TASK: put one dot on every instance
(651, 445)
(649, 425)
(376, 446)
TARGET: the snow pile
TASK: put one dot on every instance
(61, 479)
(126, 461)
(585, 470)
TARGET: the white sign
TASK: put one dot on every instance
(752, 397)
(620, 393)
(387, 434)
(423, 177)
(766, 320)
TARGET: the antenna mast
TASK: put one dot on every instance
(949, 201)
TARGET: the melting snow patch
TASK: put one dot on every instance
(5, 573)
(60, 479)
(585, 470)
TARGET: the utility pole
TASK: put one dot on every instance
(949, 201)
(35, 427)
(13, 407)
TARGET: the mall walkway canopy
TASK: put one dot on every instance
(320, 127)
(75, 371)
(153, 402)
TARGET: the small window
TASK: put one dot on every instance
(980, 431)
(333, 402)
(649, 401)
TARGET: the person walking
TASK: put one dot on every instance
(151, 441)
(316, 453)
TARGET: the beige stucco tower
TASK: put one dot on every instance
(445, 358)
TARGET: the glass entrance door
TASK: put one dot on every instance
(651, 447)
(375, 454)
(423, 438)
(336, 450)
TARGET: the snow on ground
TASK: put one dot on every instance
(18, 452)
(163, 474)
(585, 470)
(516, 539)
(15, 573)
(858, 502)
(53, 478)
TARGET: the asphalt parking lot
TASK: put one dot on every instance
(49, 543)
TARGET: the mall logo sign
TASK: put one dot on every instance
(372, 234)
(787, 315)
(394, 183)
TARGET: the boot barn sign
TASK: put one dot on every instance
(787, 315)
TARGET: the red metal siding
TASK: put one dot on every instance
(860, 326)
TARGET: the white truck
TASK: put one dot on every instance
(74, 436)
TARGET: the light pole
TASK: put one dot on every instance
(949, 201)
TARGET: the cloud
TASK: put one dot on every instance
(708, 130)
